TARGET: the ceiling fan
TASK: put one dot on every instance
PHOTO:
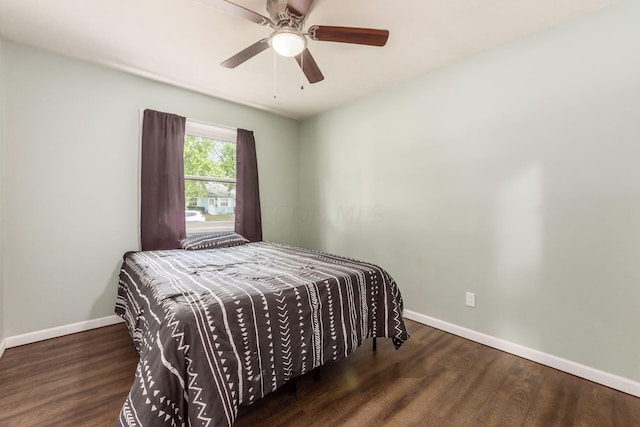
(287, 18)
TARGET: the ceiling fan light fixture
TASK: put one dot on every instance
(288, 42)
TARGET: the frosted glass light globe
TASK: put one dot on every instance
(287, 42)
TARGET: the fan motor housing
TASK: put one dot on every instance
(281, 16)
(275, 7)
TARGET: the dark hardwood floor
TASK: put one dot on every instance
(435, 379)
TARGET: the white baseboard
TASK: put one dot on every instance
(616, 382)
(59, 331)
(597, 376)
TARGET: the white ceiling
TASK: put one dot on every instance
(182, 42)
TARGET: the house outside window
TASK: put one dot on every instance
(210, 177)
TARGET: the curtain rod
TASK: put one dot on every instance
(200, 122)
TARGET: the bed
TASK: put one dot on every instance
(219, 328)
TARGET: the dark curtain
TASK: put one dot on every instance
(248, 216)
(162, 223)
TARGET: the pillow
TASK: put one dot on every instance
(224, 239)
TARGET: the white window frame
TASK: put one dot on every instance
(218, 133)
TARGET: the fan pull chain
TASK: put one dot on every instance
(275, 69)
(302, 67)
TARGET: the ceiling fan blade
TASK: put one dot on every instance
(309, 67)
(367, 36)
(299, 7)
(246, 54)
(239, 11)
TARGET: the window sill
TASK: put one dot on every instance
(201, 227)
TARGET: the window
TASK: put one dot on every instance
(191, 203)
(209, 175)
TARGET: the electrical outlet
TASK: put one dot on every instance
(471, 299)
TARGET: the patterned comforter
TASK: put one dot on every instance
(220, 328)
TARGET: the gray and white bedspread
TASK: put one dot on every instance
(220, 328)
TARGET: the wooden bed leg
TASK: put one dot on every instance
(293, 386)
(316, 374)
(375, 347)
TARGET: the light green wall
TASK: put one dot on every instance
(513, 174)
(2, 169)
(72, 180)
